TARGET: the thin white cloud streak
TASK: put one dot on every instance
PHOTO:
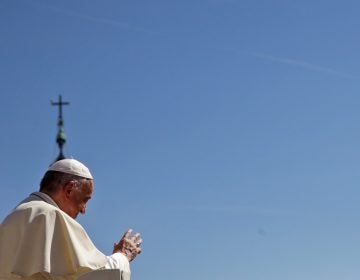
(303, 64)
(105, 21)
(264, 56)
(108, 22)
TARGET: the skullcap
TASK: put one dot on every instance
(71, 166)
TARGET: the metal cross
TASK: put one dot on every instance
(60, 104)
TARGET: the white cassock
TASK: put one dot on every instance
(38, 239)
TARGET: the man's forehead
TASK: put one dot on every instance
(88, 187)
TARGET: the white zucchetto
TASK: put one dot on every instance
(71, 166)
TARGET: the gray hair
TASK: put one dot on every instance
(53, 180)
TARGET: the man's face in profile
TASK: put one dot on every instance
(77, 197)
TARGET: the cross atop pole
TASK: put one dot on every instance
(60, 104)
(61, 137)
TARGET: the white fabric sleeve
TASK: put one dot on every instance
(118, 261)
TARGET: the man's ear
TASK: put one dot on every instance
(68, 188)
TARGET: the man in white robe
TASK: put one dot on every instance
(40, 238)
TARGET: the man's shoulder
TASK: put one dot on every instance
(36, 206)
(37, 215)
(33, 210)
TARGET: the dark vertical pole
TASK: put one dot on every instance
(60, 137)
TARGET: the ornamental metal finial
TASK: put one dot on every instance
(61, 136)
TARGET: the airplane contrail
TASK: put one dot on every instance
(114, 23)
(303, 64)
(264, 56)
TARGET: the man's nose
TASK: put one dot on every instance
(83, 209)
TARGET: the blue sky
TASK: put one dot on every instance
(226, 132)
